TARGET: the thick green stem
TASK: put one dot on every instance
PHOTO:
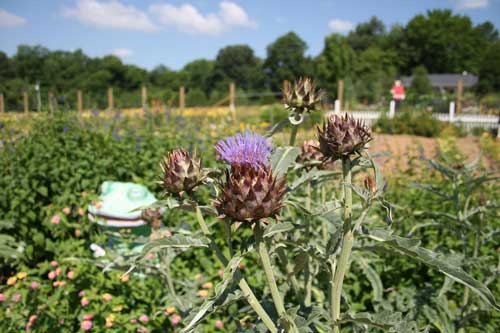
(307, 270)
(347, 242)
(477, 245)
(245, 288)
(268, 270)
(293, 134)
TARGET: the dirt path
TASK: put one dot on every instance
(403, 151)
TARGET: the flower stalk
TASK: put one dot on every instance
(244, 287)
(347, 243)
(268, 270)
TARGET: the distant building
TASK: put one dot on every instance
(446, 82)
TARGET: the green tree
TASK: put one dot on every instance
(238, 63)
(421, 85)
(286, 60)
(198, 74)
(366, 34)
(335, 62)
(489, 73)
(443, 43)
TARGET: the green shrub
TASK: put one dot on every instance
(419, 123)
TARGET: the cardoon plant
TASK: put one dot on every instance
(305, 244)
(303, 97)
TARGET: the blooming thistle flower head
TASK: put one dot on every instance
(302, 97)
(249, 194)
(342, 136)
(181, 172)
(245, 149)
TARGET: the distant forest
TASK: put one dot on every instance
(368, 59)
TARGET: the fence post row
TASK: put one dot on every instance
(144, 97)
(25, 100)
(79, 100)
(460, 90)
(392, 109)
(340, 92)
(337, 106)
(182, 98)
(232, 95)
(110, 99)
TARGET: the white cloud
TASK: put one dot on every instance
(340, 25)
(122, 52)
(187, 18)
(471, 4)
(10, 20)
(110, 14)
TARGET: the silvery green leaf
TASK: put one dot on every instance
(175, 241)
(276, 228)
(384, 319)
(282, 158)
(411, 248)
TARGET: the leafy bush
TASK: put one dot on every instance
(409, 122)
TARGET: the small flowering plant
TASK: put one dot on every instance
(306, 215)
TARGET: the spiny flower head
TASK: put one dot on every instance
(342, 136)
(245, 149)
(250, 194)
(302, 97)
(181, 172)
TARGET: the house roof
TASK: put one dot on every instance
(446, 80)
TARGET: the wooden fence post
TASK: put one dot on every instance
(110, 99)
(144, 97)
(2, 109)
(25, 100)
(51, 102)
(340, 92)
(182, 98)
(460, 91)
(232, 96)
(79, 100)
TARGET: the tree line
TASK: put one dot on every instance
(368, 59)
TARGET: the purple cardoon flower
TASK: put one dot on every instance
(244, 149)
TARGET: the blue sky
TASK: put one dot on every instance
(170, 32)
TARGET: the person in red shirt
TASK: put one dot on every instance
(398, 92)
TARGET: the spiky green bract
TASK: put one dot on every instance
(181, 172)
(342, 136)
(249, 194)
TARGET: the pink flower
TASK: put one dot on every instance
(219, 324)
(150, 256)
(71, 275)
(61, 321)
(52, 275)
(33, 318)
(84, 301)
(55, 219)
(88, 317)
(58, 271)
(86, 325)
(175, 319)
(2, 297)
(167, 233)
(81, 293)
(54, 263)
(144, 318)
(34, 285)
(133, 321)
(220, 273)
(66, 210)
(107, 297)
(16, 297)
